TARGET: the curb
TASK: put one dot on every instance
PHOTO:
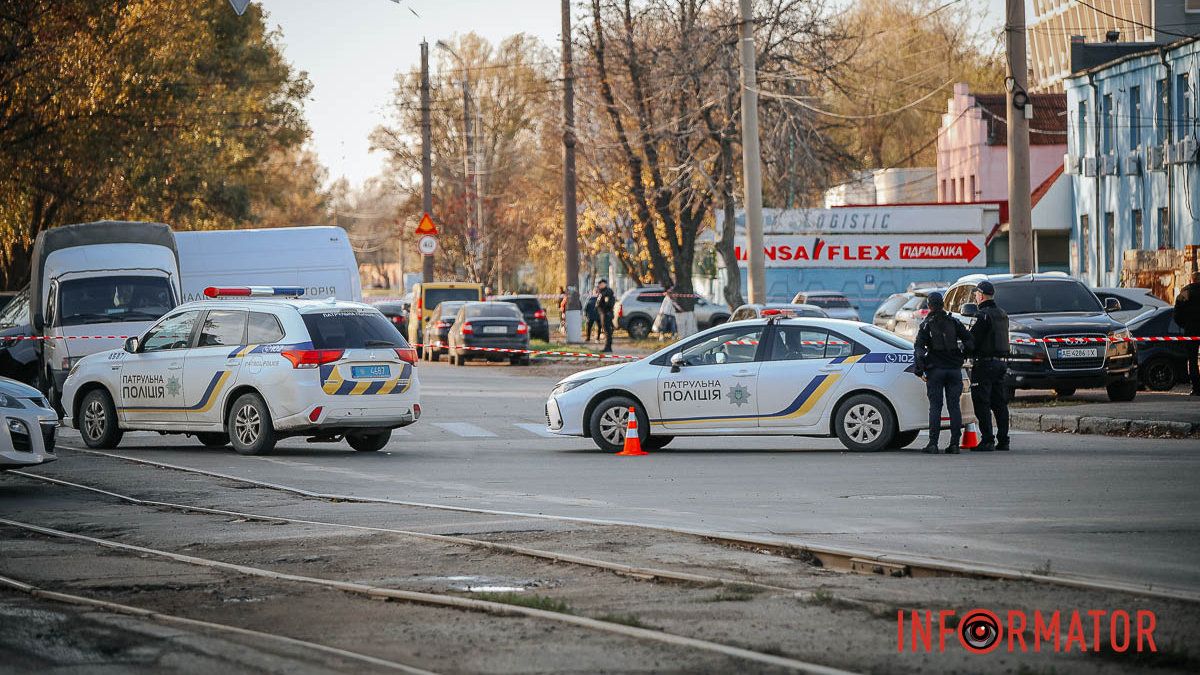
(1104, 426)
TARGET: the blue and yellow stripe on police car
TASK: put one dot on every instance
(333, 384)
(207, 401)
(805, 401)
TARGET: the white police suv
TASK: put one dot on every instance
(773, 376)
(253, 367)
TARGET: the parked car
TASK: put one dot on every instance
(20, 357)
(30, 426)
(497, 325)
(437, 329)
(1161, 365)
(535, 316)
(427, 296)
(885, 315)
(639, 306)
(396, 312)
(754, 311)
(1052, 304)
(1134, 302)
(836, 304)
(909, 317)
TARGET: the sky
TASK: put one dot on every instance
(352, 49)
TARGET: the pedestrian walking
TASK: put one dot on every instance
(939, 361)
(606, 303)
(1187, 315)
(989, 368)
(666, 323)
(562, 309)
(592, 315)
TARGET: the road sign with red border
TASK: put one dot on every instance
(426, 227)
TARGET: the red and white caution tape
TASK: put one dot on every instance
(65, 337)
(547, 352)
(1083, 340)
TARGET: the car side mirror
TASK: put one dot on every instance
(677, 362)
(970, 309)
(131, 345)
(39, 324)
(1112, 305)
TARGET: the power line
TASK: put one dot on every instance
(1136, 23)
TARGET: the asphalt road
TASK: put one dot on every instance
(1108, 508)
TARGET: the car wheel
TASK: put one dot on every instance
(610, 419)
(903, 439)
(98, 421)
(1159, 375)
(213, 439)
(249, 425)
(865, 423)
(519, 360)
(434, 355)
(372, 442)
(1064, 391)
(657, 442)
(460, 359)
(1125, 390)
(639, 328)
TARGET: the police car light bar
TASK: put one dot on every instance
(254, 292)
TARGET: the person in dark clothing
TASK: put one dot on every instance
(606, 303)
(1187, 315)
(939, 361)
(989, 369)
(593, 317)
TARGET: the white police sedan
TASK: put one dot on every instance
(249, 367)
(772, 376)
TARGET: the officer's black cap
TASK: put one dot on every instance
(936, 301)
(986, 288)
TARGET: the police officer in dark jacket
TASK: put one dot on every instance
(606, 303)
(1187, 315)
(939, 361)
(989, 369)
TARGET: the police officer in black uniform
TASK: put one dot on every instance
(939, 361)
(988, 371)
(606, 303)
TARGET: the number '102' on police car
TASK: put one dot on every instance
(773, 376)
(249, 367)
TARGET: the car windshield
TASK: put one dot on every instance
(436, 296)
(449, 309)
(500, 310)
(352, 329)
(1039, 297)
(527, 305)
(888, 338)
(16, 312)
(829, 301)
(112, 299)
(892, 304)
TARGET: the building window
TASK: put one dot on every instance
(1136, 217)
(953, 183)
(1135, 117)
(1191, 5)
(1160, 112)
(1183, 98)
(971, 196)
(1081, 126)
(1106, 122)
(962, 189)
(942, 191)
(1164, 228)
(1053, 250)
(1085, 240)
(1110, 243)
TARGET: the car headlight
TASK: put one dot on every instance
(1122, 335)
(564, 387)
(1019, 338)
(7, 401)
(74, 367)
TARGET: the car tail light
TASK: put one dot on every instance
(407, 354)
(620, 311)
(443, 325)
(420, 305)
(315, 414)
(397, 319)
(923, 313)
(540, 314)
(311, 358)
(522, 328)
(468, 329)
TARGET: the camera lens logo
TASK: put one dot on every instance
(979, 631)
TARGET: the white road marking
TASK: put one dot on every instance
(401, 432)
(538, 429)
(465, 430)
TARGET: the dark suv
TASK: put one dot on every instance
(535, 316)
(1055, 305)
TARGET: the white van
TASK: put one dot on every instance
(319, 259)
(94, 283)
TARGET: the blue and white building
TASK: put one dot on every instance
(1134, 157)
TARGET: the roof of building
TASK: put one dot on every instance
(1048, 126)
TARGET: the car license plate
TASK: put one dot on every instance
(495, 329)
(1088, 353)
(369, 371)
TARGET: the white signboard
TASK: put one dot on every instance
(871, 252)
(921, 218)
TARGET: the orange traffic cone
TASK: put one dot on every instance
(970, 439)
(633, 443)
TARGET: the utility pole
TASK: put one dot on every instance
(573, 320)
(468, 175)
(426, 159)
(752, 159)
(1020, 216)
